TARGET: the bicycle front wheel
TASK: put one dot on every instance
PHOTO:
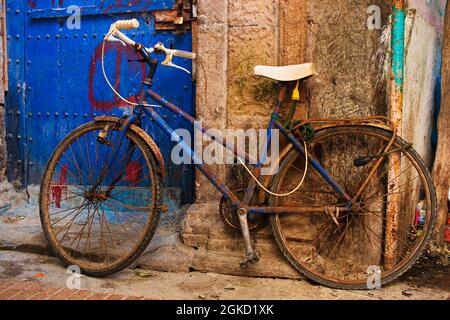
(100, 201)
(385, 231)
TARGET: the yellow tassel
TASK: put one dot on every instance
(296, 93)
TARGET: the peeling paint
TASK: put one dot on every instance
(398, 45)
(433, 11)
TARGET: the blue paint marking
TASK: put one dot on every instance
(437, 102)
(398, 45)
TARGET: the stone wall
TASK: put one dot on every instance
(212, 52)
(345, 53)
(233, 37)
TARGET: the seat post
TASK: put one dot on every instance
(282, 89)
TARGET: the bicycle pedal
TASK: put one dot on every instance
(251, 258)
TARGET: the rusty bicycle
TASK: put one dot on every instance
(365, 205)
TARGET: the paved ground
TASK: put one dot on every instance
(26, 266)
(19, 267)
(33, 290)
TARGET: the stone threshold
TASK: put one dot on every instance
(194, 239)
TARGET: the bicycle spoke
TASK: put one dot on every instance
(109, 230)
(69, 223)
(93, 227)
(88, 154)
(340, 248)
(122, 225)
(73, 209)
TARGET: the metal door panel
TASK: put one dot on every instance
(43, 10)
(64, 86)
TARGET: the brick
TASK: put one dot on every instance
(64, 294)
(79, 295)
(134, 298)
(14, 290)
(8, 293)
(5, 284)
(45, 294)
(21, 285)
(28, 292)
(115, 297)
(97, 296)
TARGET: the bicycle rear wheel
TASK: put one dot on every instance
(366, 246)
(100, 202)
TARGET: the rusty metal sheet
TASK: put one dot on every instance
(179, 18)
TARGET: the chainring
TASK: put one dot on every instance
(230, 215)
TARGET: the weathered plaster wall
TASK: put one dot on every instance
(345, 52)
(432, 11)
(212, 64)
(422, 67)
(234, 36)
(253, 39)
(7, 192)
(423, 61)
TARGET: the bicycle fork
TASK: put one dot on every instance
(103, 138)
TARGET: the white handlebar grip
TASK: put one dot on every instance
(127, 24)
(185, 54)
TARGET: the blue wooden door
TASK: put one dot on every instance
(56, 81)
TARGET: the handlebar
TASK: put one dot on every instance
(114, 35)
(159, 47)
(126, 24)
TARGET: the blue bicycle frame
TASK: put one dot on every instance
(206, 170)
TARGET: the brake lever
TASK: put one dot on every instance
(173, 65)
(168, 63)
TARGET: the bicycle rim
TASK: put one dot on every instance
(99, 202)
(365, 248)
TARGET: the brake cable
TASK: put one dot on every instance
(111, 86)
(280, 194)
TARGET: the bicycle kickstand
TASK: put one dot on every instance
(251, 254)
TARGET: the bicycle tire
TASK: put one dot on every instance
(385, 277)
(153, 215)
